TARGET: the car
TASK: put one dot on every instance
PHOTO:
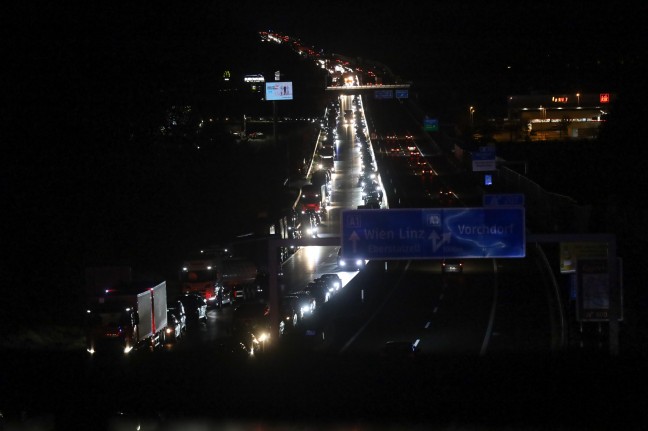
(178, 310)
(308, 225)
(250, 342)
(366, 177)
(332, 279)
(371, 203)
(195, 307)
(253, 317)
(224, 296)
(174, 330)
(349, 263)
(319, 289)
(451, 265)
(400, 349)
(295, 307)
(446, 196)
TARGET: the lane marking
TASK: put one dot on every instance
(491, 319)
(379, 309)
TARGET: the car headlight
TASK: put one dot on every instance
(263, 337)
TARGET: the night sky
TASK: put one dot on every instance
(84, 177)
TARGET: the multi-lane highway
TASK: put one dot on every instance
(492, 305)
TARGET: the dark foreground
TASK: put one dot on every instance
(218, 389)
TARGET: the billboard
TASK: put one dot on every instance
(279, 91)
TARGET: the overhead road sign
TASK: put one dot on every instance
(503, 200)
(434, 233)
(402, 93)
(484, 159)
(384, 94)
(431, 124)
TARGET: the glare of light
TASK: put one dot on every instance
(209, 267)
(313, 256)
(127, 349)
(91, 350)
(264, 337)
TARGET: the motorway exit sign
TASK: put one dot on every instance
(434, 233)
(431, 124)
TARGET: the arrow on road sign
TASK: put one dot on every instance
(354, 238)
(434, 236)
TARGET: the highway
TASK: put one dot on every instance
(503, 305)
(486, 340)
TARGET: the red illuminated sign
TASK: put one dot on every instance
(604, 97)
(561, 99)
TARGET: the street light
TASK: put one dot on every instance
(578, 99)
(472, 112)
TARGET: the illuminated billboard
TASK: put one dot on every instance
(279, 91)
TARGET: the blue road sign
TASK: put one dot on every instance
(484, 159)
(431, 124)
(384, 94)
(434, 233)
(402, 94)
(504, 200)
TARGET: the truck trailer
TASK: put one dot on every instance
(127, 317)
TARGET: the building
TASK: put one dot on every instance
(554, 117)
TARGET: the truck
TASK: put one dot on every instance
(217, 276)
(322, 177)
(126, 317)
(313, 198)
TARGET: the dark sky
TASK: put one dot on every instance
(160, 45)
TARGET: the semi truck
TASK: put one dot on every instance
(127, 316)
(217, 276)
(313, 198)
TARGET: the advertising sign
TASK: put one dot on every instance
(279, 91)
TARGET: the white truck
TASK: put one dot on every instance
(126, 317)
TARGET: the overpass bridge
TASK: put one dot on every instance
(388, 91)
